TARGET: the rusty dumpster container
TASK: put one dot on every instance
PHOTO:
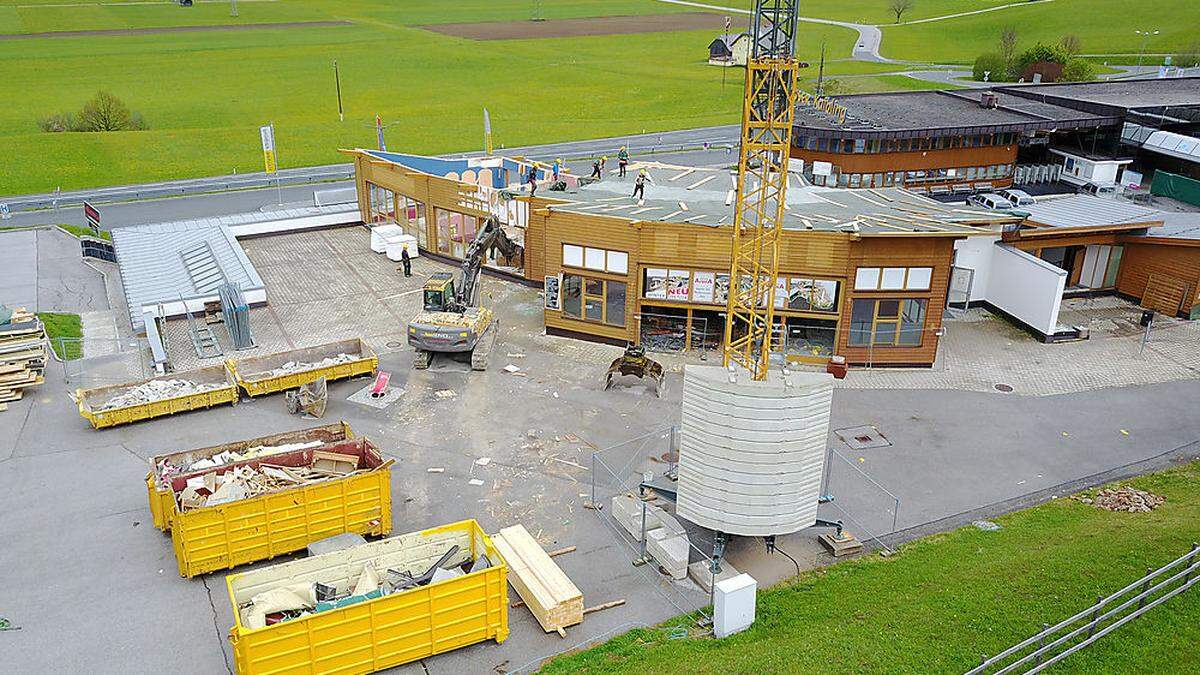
(163, 467)
(260, 526)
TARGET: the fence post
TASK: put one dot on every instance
(1042, 642)
(594, 505)
(1095, 615)
(1145, 587)
(642, 548)
(1187, 578)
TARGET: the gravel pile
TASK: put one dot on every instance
(1124, 498)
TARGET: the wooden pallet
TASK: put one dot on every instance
(549, 594)
(22, 356)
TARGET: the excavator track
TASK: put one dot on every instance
(483, 348)
(421, 359)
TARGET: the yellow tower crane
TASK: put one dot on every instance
(767, 112)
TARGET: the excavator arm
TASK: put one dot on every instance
(490, 236)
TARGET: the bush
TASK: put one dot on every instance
(1041, 52)
(104, 112)
(993, 64)
(1188, 57)
(1078, 70)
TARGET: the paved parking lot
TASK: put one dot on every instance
(82, 559)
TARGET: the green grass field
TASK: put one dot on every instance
(60, 325)
(204, 94)
(944, 600)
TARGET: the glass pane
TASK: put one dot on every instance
(1114, 266)
(885, 333)
(614, 304)
(861, 315)
(594, 308)
(912, 322)
(595, 287)
(919, 278)
(893, 278)
(572, 295)
(888, 309)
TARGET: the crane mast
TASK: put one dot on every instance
(766, 137)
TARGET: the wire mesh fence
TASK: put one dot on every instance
(99, 362)
(865, 507)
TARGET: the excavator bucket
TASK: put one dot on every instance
(634, 362)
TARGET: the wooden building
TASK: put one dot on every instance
(862, 274)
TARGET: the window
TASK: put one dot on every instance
(381, 204)
(860, 145)
(572, 255)
(593, 258)
(887, 322)
(616, 262)
(595, 300)
(893, 278)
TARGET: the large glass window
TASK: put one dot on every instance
(381, 203)
(596, 300)
(887, 322)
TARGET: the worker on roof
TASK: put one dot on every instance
(639, 185)
(596, 169)
(622, 161)
(603, 161)
(532, 180)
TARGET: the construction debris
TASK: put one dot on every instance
(166, 468)
(22, 353)
(1123, 498)
(292, 367)
(158, 390)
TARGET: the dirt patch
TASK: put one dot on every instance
(172, 29)
(600, 25)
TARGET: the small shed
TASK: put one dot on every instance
(729, 50)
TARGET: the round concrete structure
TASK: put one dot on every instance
(752, 453)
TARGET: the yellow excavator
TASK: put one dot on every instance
(452, 321)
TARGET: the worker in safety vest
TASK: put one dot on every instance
(639, 184)
(622, 161)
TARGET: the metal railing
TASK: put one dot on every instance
(1089, 625)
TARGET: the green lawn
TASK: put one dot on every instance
(78, 231)
(1104, 26)
(944, 600)
(876, 11)
(60, 325)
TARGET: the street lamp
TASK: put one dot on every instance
(1145, 38)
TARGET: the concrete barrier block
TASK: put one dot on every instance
(671, 551)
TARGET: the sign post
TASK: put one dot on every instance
(92, 215)
(4, 214)
(267, 133)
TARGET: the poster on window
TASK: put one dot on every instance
(678, 285)
(800, 294)
(721, 289)
(702, 286)
(781, 292)
(553, 298)
(656, 284)
(824, 296)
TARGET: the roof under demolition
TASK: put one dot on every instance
(1086, 211)
(705, 196)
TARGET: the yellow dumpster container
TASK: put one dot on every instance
(282, 521)
(386, 631)
(255, 375)
(158, 481)
(91, 400)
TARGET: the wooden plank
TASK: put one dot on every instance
(1164, 294)
(550, 595)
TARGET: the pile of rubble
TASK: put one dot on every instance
(293, 367)
(1124, 498)
(166, 468)
(243, 482)
(158, 390)
(299, 599)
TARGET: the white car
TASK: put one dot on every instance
(1105, 190)
(1017, 197)
(990, 201)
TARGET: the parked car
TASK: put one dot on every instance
(1100, 190)
(989, 200)
(1017, 197)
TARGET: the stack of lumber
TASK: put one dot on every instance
(549, 594)
(22, 354)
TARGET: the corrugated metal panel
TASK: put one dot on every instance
(1088, 211)
(752, 453)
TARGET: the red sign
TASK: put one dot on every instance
(92, 215)
(381, 383)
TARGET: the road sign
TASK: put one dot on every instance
(268, 145)
(4, 214)
(92, 214)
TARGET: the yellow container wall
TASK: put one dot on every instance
(387, 631)
(284, 382)
(145, 411)
(228, 535)
(162, 503)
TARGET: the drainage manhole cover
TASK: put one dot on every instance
(394, 344)
(861, 438)
(1006, 388)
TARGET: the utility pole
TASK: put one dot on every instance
(337, 81)
(1145, 38)
(821, 71)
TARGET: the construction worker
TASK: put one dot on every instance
(406, 261)
(639, 184)
(555, 172)
(622, 161)
(596, 169)
(603, 162)
(532, 180)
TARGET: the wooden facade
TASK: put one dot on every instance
(1150, 262)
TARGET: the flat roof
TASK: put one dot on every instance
(1087, 211)
(926, 113)
(1179, 225)
(1127, 94)
(704, 197)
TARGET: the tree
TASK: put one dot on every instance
(899, 7)
(1008, 43)
(105, 112)
(1070, 44)
(1078, 70)
(1189, 56)
(992, 65)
